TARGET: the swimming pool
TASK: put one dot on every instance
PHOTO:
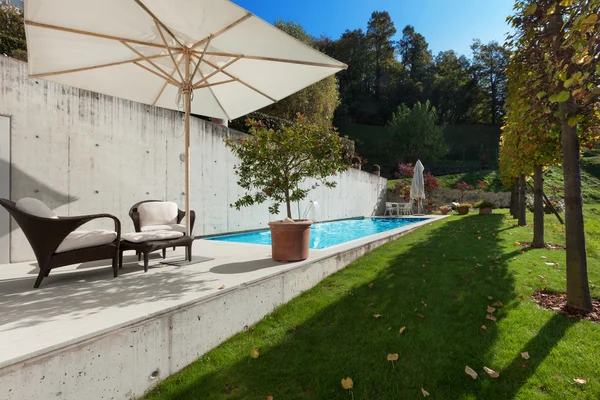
(327, 234)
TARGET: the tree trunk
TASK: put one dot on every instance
(578, 291)
(288, 205)
(522, 202)
(514, 197)
(538, 209)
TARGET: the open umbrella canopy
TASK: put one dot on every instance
(168, 53)
(140, 50)
(417, 187)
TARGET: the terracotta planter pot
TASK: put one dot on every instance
(429, 208)
(444, 211)
(462, 210)
(290, 240)
(485, 211)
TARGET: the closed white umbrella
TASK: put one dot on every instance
(225, 59)
(417, 187)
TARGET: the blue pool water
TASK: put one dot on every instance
(327, 234)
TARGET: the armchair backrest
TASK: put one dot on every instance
(155, 212)
(41, 232)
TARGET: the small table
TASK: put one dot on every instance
(149, 246)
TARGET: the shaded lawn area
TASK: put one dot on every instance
(443, 272)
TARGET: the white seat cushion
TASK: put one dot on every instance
(81, 239)
(35, 207)
(172, 227)
(139, 237)
(158, 213)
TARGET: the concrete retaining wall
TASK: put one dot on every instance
(84, 153)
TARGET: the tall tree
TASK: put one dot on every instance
(380, 31)
(415, 133)
(415, 54)
(566, 33)
(489, 63)
(317, 103)
(453, 87)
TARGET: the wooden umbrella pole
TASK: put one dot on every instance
(186, 88)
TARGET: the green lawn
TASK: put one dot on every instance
(435, 282)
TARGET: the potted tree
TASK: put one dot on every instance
(377, 169)
(445, 210)
(273, 165)
(484, 206)
(431, 186)
(463, 208)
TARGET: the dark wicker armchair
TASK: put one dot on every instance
(45, 235)
(135, 217)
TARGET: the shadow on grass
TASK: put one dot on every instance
(435, 282)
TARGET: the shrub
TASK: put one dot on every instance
(406, 170)
(431, 185)
(445, 208)
(402, 188)
(465, 205)
(484, 204)
(462, 188)
(482, 186)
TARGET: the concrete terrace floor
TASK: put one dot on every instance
(82, 301)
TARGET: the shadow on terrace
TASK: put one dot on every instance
(435, 282)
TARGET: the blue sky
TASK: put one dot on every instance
(446, 24)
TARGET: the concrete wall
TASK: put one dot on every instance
(83, 153)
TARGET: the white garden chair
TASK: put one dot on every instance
(391, 208)
(405, 208)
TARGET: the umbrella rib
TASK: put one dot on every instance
(98, 35)
(170, 80)
(170, 53)
(242, 82)
(200, 61)
(221, 68)
(113, 64)
(215, 84)
(165, 75)
(216, 99)
(281, 60)
(164, 86)
(225, 29)
(155, 18)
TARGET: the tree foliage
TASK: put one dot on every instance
(316, 102)
(558, 44)
(273, 163)
(12, 31)
(416, 134)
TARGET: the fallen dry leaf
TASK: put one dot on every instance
(370, 285)
(268, 397)
(471, 372)
(376, 315)
(392, 357)
(483, 327)
(498, 304)
(525, 355)
(455, 295)
(347, 383)
(581, 381)
(490, 309)
(425, 392)
(254, 353)
(402, 329)
(421, 316)
(221, 287)
(491, 372)
(490, 317)
(294, 328)
(490, 298)
(522, 297)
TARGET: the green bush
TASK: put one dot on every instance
(484, 204)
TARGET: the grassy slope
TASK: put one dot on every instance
(590, 178)
(336, 334)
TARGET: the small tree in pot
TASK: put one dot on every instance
(431, 186)
(274, 164)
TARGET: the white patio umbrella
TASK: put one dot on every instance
(225, 59)
(417, 187)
